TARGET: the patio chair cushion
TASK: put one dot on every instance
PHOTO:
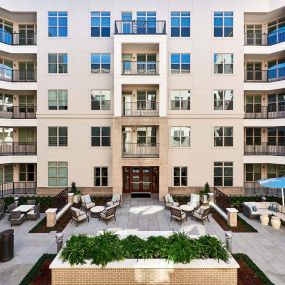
(170, 199)
(114, 198)
(32, 212)
(81, 217)
(76, 211)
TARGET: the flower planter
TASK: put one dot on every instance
(204, 198)
(148, 271)
(76, 198)
(70, 198)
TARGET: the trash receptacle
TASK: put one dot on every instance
(6, 245)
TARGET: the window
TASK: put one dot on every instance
(57, 24)
(223, 136)
(100, 63)
(57, 173)
(6, 102)
(180, 136)
(146, 100)
(253, 35)
(180, 176)
(252, 172)
(223, 99)
(253, 136)
(276, 32)
(223, 24)
(100, 176)
(57, 136)
(6, 173)
(6, 135)
(100, 136)
(180, 99)
(276, 136)
(146, 22)
(276, 102)
(275, 170)
(27, 172)
(100, 99)
(253, 104)
(57, 63)
(57, 99)
(223, 173)
(180, 24)
(223, 63)
(100, 24)
(180, 63)
(146, 135)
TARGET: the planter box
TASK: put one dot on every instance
(76, 198)
(149, 271)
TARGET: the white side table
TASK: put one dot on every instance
(187, 209)
(264, 219)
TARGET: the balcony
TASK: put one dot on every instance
(17, 188)
(135, 150)
(141, 109)
(265, 112)
(254, 188)
(12, 75)
(272, 75)
(16, 148)
(18, 39)
(259, 39)
(264, 149)
(140, 27)
(18, 112)
(140, 68)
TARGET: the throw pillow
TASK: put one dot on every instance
(254, 209)
(170, 199)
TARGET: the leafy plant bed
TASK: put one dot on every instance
(108, 247)
(236, 201)
(249, 273)
(242, 225)
(40, 274)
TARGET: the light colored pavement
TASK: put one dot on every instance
(266, 247)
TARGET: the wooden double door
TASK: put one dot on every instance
(140, 179)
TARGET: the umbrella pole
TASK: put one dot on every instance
(282, 192)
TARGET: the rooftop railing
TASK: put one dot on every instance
(13, 75)
(140, 27)
(18, 39)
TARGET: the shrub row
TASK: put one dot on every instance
(108, 247)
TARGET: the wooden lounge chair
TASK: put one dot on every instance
(108, 213)
(16, 218)
(177, 214)
(34, 214)
(202, 213)
(87, 204)
(78, 215)
(115, 201)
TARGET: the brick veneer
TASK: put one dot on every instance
(110, 276)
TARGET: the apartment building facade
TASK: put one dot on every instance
(141, 96)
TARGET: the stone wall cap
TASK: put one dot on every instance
(51, 210)
(232, 210)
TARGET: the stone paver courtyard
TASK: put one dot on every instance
(266, 248)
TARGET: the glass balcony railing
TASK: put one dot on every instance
(140, 109)
(270, 75)
(25, 39)
(13, 75)
(263, 39)
(140, 68)
(140, 27)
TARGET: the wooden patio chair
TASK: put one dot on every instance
(202, 213)
(108, 213)
(177, 214)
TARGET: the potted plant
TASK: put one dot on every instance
(204, 193)
(76, 193)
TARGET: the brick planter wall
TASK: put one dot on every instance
(144, 276)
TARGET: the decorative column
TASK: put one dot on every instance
(232, 217)
(51, 217)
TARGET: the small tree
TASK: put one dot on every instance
(74, 189)
(206, 188)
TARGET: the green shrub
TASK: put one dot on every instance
(107, 247)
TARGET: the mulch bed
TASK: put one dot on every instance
(249, 273)
(40, 274)
(242, 225)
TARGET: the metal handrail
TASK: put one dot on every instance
(264, 149)
(264, 112)
(13, 75)
(140, 67)
(141, 109)
(18, 188)
(18, 148)
(18, 112)
(270, 75)
(140, 150)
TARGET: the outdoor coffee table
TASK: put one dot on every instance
(24, 208)
(187, 209)
(95, 211)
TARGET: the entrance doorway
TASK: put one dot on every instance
(140, 179)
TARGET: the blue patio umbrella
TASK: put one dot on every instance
(277, 183)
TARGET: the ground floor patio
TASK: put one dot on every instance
(265, 248)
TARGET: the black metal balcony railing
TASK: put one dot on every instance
(271, 75)
(12, 75)
(264, 149)
(140, 27)
(18, 148)
(130, 150)
(140, 68)
(18, 188)
(263, 39)
(265, 112)
(141, 109)
(25, 39)
(18, 112)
